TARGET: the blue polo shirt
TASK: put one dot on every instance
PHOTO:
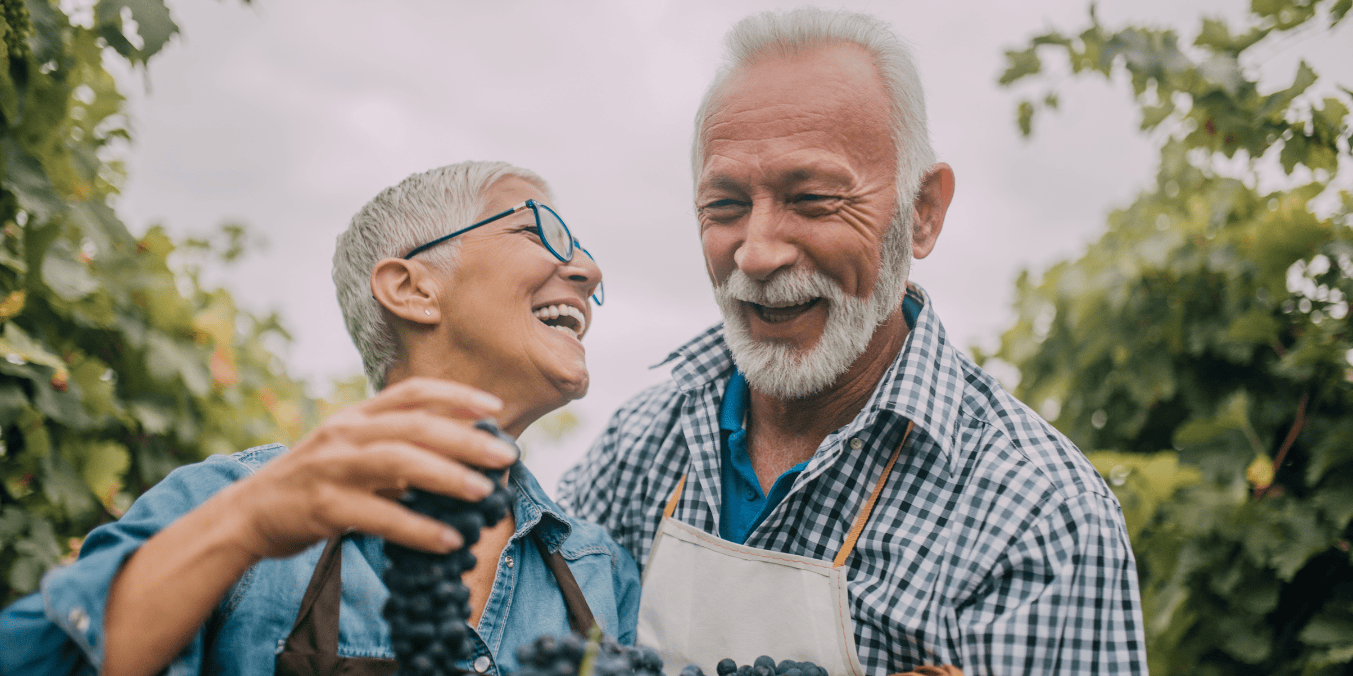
(744, 505)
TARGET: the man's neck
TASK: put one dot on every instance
(783, 433)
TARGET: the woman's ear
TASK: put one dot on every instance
(408, 289)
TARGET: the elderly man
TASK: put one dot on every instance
(826, 477)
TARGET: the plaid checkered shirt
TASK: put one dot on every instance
(995, 546)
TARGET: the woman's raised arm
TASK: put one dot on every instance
(340, 477)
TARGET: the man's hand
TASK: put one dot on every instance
(417, 433)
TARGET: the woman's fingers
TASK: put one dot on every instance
(378, 516)
(415, 434)
(444, 436)
(398, 466)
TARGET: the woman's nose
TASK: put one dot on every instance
(583, 270)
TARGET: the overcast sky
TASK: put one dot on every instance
(288, 115)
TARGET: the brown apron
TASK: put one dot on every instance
(312, 646)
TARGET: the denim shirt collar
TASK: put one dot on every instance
(536, 511)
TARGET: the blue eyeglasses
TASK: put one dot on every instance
(553, 234)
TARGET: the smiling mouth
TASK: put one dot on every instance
(562, 317)
(776, 315)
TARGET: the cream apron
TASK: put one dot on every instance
(705, 598)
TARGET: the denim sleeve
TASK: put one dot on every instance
(627, 585)
(59, 630)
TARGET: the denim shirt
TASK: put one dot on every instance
(59, 630)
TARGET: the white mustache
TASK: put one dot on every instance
(788, 288)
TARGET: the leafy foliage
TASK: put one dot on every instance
(116, 365)
(1203, 341)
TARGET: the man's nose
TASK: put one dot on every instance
(765, 248)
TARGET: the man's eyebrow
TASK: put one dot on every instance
(824, 171)
(720, 182)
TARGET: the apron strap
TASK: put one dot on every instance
(312, 645)
(868, 508)
(580, 618)
(668, 511)
(316, 628)
(940, 670)
(860, 520)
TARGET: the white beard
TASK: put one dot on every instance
(786, 372)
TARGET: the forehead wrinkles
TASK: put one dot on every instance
(832, 98)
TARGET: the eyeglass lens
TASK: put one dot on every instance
(554, 233)
(598, 294)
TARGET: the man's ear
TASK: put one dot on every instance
(932, 202)
(408, 289)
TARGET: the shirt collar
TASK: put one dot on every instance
(536, 511)
(733, 410)
(924, 384)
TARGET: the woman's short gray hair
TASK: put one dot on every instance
(807, 28)
(421, 208)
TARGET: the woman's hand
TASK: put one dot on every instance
(342, 476)
(417, 433)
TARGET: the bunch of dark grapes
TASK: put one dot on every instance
(428, 605)
(764, 666)
(574, 655)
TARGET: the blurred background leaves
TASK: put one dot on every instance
(116, 364)
(1200, 350)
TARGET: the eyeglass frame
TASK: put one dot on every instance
(598, 294)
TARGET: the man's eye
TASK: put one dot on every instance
(723, 209)
(815, 204)
(722, 204)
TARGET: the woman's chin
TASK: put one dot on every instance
(573, 386)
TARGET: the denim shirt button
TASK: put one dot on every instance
(508, 562)
(79, 619)
(481, 663)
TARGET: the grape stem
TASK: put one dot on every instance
(589, 661)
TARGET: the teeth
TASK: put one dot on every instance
(781, 306)
(562, 310)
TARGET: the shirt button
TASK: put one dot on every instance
(856, 444)
(751, 495)
(80, 619)
(481, 664)
(508, 562)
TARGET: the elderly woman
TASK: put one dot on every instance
(461, 274)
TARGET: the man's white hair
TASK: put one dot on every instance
(421, 208)
(772, 33)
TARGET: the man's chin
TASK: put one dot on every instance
(782, 370)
